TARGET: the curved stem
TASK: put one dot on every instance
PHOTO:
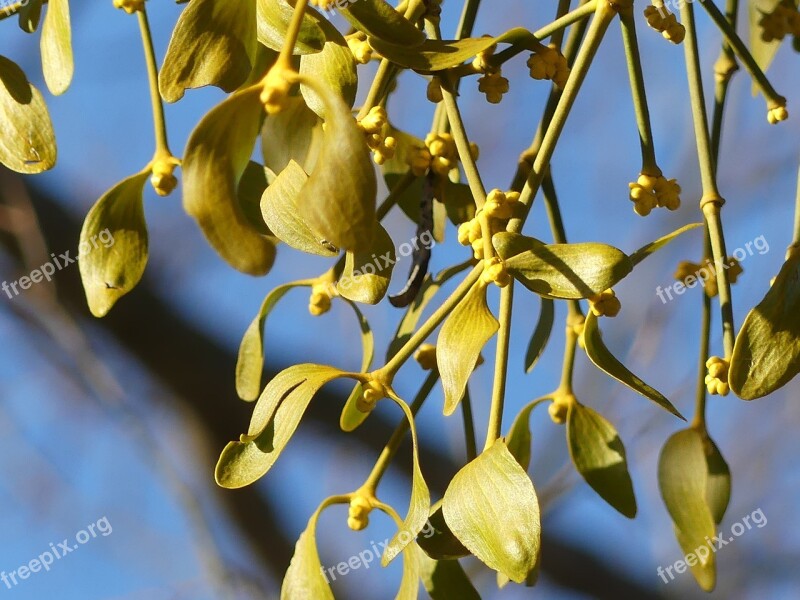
(500, 366)
(285, 57)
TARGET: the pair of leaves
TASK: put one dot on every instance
(276, 415)
(695, 484)
(461, 339)
(27, 140)
(766, 355)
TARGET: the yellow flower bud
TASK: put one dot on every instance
(558, 411)
(434, 91)
(320, 301)
(717, 378)
(419, 160)
(358, 513)
(372, 391)
(777, 114)
(276, 87)
(360, 48)
(129, 6)
(426, 356)
(494, 271)
(605, 304)
(162, 179)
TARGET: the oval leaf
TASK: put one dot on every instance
(109, 271)
(215, 158)
(599, 456)
(463, 335)
(491, 506)
(27, 141)
(367, 274)
(294, 134)
(214, 43)
(56, 47)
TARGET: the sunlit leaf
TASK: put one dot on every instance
(27, 141)
(351, 417)
(491, 507)
(380, 20)
(367, 274)
(541, 334)
(464, 333)
(56, 47)
(683, 480)
(446, 580)
(766, 355)
(274, 17)
(215, 158)
(658, 244)
(294, 134)
(601, 356)
(599, 456)
(111, 269)
(562, 270)
(214, 43)
(250, 363)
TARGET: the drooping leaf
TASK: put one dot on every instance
(420, 504)
(380, 20)
(683, 480)
(599, 456)
(763, 52)
(718, 489)
(367, 274)
(351, 417)
(30, 15)
(216, 155)
(491, 506)
(518, 438)
(412, 555)
(275, 418)
(283, 217)
(56, 47)
(304, 578)
(766, 355)
(601, 356)
(441, 543)
(562, 270)
(446, 580)
(655, 246)
(214, 43)
(27, 141)
(250, 362)
(541, 334)
(335, 67)
(294, 134)
(464, 333)
(274, 17)
(112, 269)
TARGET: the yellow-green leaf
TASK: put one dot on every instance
(367, 274)
(562, 270)
(541, 334)
(599, 456)
(655, 246)
(380, 20)
(215, 158)
(27, 141)
(718, 490)
(446, 580)
(214, 43)
(683, 480)
(274, 17)
(604, 360)
(294, 134)
(339, 200)
(283, 217)
(351, 417)
(56, 47)
(250, 362)
(335, 67)
(112, 269)
(491, 506)
(766, 355)
(463, 335)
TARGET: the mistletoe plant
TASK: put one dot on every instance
(292, 79)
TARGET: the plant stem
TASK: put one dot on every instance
(500, 366)
(796, 234)
(293, 31)
(568, 365)
(392, 446)
(159, 122)
(699, 420)
(386, 70)
(467, 21)
(469, 426)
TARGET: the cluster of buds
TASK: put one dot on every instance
(372, 391)
(129, 6)
(375, 127)
(559, 407)
(707, 273)
(439, 154)
(650, 191)
(782, 21)
(320, 301)
(499, 206)
(663, 21)
(548, 63)
(777, 113)
(358, 513)
(605, 304)
(426, 357)
(163, 179)
(494, 271)
(359, 46)
(492, 83)
(717, 376)
(276, 87)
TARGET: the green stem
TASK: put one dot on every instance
(568, 365)
(636, 77)
(699, 420)
(293, 31)
(500, 366)
(603, 16)
(467, 21)
(386, 70)
(469, 426)
(160, 125)
(389, 451)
